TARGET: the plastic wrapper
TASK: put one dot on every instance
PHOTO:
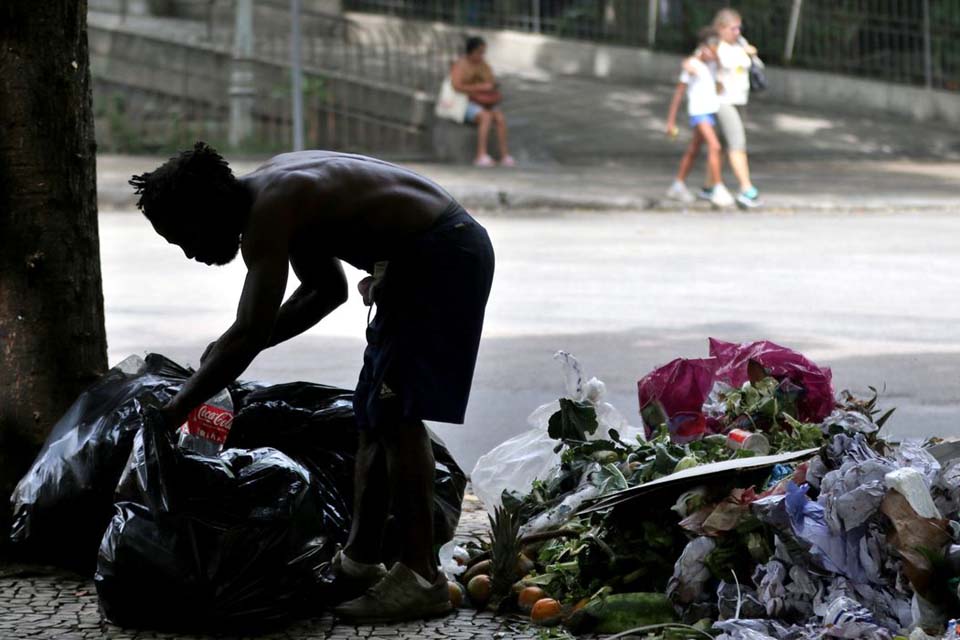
(733, 359)
(204, 542)
(556, 516)
(453, 559)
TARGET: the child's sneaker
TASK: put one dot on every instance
(749, 198)
(705, 193)
(721, 197)
(678, 191)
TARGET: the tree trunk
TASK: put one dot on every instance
(52, 338)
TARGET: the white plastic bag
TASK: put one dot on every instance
(514, 465)
(451, 556)
(451, 104)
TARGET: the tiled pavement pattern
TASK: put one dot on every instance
(39, 602)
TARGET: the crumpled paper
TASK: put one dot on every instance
(690, 573)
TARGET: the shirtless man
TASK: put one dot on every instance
(431, 268)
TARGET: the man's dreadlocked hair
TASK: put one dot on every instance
(197, 182)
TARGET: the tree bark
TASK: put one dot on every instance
(52, 338)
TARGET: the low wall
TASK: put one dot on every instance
(188, 95)
(516, 51)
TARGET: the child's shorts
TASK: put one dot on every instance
(709, 118)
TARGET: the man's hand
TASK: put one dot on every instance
(366, 287)
(172, 416)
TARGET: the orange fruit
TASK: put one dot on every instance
(479, 591)
(546, 611)
(529, 597)
(456, 593)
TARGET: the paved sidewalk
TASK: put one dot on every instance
(42, 602)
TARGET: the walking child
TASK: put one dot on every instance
(698, 82)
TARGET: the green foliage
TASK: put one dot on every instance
(575, 421)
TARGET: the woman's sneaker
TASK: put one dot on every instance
(748, 198)
(720, 197)
(678, 191)
(705, 193)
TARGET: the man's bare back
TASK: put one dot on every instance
(344, 201)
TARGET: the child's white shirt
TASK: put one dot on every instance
(701, 88)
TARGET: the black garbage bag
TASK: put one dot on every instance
(315, 425)
(71, 485)
(210, 543)
(63, 503)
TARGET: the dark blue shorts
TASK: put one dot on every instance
(422, 344)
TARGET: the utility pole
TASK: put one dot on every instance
(296, 75)
(651, 23)
(927, 47)
(242, 89)
(792, 30)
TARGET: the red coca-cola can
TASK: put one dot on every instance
(748, 441)
(210, 423)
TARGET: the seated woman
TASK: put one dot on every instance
(472, 76)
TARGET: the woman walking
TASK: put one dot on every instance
(733, 75)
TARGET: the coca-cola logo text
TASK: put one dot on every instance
(210, 422)
(215, 416)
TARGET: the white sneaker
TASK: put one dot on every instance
(678, 191)
(721, 197)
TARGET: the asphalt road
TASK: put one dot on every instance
(874, 296)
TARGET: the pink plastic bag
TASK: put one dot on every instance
(681, 387)
(814, 406)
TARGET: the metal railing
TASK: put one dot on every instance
(161, 81)
(909, 41)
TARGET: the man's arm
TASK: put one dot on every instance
(266, 258)
(311, 302)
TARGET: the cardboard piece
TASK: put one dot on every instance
(712, 472)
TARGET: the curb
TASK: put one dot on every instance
(492, 201)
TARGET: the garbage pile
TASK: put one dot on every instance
(752, 504)
(189, 541)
